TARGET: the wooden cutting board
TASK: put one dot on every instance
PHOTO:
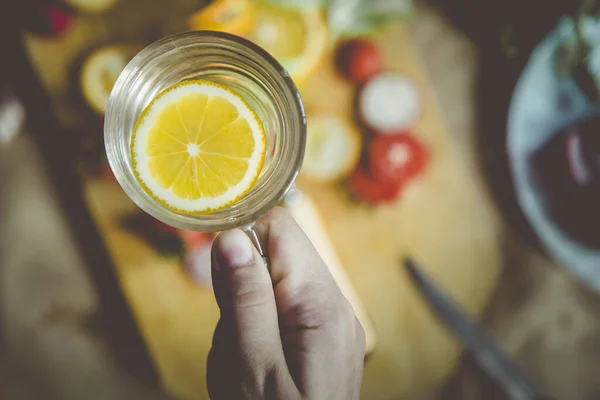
(444, 220)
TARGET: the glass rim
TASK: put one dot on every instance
(218, 221)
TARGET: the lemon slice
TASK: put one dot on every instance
(296, 37)
(333, 146)
(100, 72)
(233, 16)
(198, 147)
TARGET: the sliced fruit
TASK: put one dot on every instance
(396, 159)
(369, 189)
(293, 3)
(296, 37)
(100, 72)
(198, 147)
(92, 6)
(389, 102)
(358, 60)
(233, 16)
(333, 148)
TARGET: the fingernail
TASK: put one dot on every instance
(233, 249)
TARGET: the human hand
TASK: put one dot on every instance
(287, 335)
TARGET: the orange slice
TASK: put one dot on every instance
(198, 147)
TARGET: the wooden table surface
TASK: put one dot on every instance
(444, 220)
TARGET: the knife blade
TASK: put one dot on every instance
(488, 356)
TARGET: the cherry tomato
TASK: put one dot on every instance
(397, 158)
(372, 190)
(358, 60)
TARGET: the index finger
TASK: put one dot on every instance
(306, 294)
(291, 254)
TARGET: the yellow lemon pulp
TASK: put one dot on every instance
(281, 31)
(297, 38)
(233, 16)
(333, 148)
(99, 73)
(198, 147)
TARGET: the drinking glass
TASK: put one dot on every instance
(237, 64)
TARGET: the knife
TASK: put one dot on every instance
(488, 356)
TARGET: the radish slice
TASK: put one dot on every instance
(389, 102)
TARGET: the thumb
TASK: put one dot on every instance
(244, 292)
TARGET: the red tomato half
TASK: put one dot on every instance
(358, 60)
(397, 158)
